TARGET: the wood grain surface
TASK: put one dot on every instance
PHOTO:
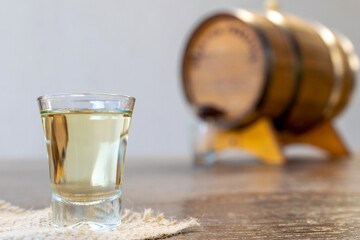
(242, 199)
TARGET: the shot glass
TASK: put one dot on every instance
(86, 135)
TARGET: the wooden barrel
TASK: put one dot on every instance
(239, 66)
(350, 64)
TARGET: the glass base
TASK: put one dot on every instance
(99, 215)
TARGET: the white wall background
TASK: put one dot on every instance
(128, 47)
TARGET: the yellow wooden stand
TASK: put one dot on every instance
(262, 140)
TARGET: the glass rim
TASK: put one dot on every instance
(55, 96)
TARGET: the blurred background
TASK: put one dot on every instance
(126, 47)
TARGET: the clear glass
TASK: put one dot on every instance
(86, 136)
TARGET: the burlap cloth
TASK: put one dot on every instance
(18, 223)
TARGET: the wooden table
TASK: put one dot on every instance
(305, 199)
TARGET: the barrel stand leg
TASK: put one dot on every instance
(259, 139)
(323, 136)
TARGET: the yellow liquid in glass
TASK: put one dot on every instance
(86, 151)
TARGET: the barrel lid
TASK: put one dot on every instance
(224, 69)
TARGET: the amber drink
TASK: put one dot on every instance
(86, 144)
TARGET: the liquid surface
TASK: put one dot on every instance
(86, 152)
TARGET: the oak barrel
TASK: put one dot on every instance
(242, 65)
